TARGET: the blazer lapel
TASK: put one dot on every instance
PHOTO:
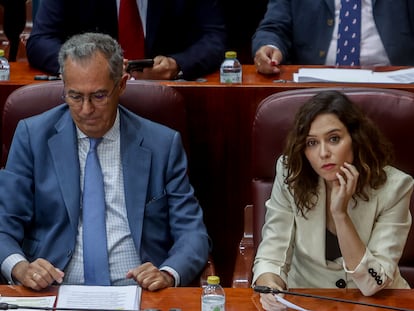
(64, 150)
(313, 228)
(136, 162)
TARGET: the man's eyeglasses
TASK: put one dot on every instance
(97, 99)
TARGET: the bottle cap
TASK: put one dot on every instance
(213, 279)
(1, 53)
(231, 54)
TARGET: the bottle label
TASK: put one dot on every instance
(230, 77)
(213, 303)
(4, 76)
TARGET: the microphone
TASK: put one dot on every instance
(8, 306)
(269, 290)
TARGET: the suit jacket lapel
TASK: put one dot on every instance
(136, 162)
(153, 21)
(331, 5)
(64, 150)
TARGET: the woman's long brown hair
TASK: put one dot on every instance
(372, 151)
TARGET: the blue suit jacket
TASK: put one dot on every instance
(40, 194)
(192, 32)
(302, 29)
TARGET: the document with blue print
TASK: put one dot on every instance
(99, 297)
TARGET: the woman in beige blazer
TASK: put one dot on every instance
(338, 215)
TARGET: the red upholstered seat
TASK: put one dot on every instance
(154, 101)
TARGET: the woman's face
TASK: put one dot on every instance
(328, 146)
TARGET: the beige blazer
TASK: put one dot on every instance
(294, 247)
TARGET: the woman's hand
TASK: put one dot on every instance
(343, 189)
(268, 301)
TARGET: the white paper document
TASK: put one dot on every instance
(99, 297)
(36, 302)
(289, 304)
(404, 76)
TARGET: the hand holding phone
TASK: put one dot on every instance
(139, 64)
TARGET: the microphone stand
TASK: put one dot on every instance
(269, 290)
(8, 306)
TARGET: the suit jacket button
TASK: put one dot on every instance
(340, 283)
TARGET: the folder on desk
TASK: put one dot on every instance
(342, 75)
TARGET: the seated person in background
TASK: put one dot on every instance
(338, 215)
(186, 38)
(153, 223)
(305, 32)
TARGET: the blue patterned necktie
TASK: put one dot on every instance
(349, 33)
(95, 250)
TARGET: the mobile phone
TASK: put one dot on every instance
(139, 64)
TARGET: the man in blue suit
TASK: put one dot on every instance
(155, 230)
(305, 32)
(187, 37)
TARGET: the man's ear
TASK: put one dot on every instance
(123, 82)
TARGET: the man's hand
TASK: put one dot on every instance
(38, 274)
(165, 68)
(150, 277)
(267, 60)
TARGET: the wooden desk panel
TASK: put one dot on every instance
(188, 298)
(220, 119)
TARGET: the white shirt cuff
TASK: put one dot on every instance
(8, 265)
(173, 273)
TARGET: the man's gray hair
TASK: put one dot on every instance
(82, 47)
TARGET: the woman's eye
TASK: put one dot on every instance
(334, 139)
(311, 143)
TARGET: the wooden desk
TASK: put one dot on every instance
(220, 119)
(237, 299)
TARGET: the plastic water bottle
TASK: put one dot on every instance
(4, 67)
(213, 297)
(231, 69)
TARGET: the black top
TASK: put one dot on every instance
(332, 246)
